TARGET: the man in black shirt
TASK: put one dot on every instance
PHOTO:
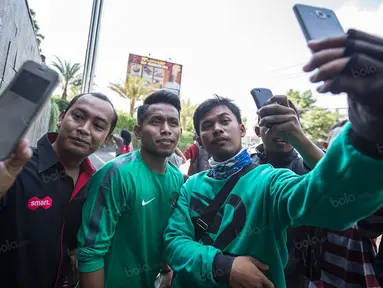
(42, 192)
(304, 262)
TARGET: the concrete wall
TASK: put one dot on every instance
(18, 44)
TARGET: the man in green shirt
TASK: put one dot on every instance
(130, 201)
(219, 249)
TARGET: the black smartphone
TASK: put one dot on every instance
(21, 101)
(317, 23)
(261, 96)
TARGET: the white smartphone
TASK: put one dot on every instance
(21, 101)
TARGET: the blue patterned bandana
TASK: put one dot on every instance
(223, 170)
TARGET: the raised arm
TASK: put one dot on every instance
(346, 185)
(343, 188)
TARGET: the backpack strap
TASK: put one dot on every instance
(202, 222)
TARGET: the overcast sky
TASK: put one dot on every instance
(226, 47)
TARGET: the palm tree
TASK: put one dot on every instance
(69, 75)
(75, 88)
(187, 112)
(133, 88)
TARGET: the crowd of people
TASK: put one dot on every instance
(289, 215)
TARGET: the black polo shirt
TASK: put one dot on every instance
(39, 219)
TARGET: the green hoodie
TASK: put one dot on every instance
(344, 187)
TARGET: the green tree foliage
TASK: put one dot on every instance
(36, 29)
(185, 140)
(244, 121)
(54, 117)
(61, 103)
(125, 121)
(70, 76)
(316, 122)
(302, 101)
(187, 112)
(133, 88)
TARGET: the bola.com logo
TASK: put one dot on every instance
(141, 269)
(347, 199)
(8, 246)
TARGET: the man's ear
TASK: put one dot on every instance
(179, 137)
(108, 139)
(60, 121)
(137, 131)
(243, 130)
(199, 140)
(325, 145)
(257, 131)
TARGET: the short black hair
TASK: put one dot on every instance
(332, 134)
(125, 134)
(209, 104)
(99, 96)
(161, 96)
(339, 124)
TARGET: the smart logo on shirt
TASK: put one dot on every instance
(35, 203)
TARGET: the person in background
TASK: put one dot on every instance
(129, 204)
(199, 158)
(303, 261)
(333, 133)
(177, 158)
(348, 255)
(123, 142)
(42, 192)
(372, 227)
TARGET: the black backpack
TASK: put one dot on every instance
(201, 163)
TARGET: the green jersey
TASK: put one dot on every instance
(124, 217)
(344, 187)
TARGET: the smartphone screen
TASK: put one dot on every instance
(19, 104)
(30, 86)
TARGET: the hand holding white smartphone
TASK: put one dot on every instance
(21, 101)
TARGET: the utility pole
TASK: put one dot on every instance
(92, 46)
